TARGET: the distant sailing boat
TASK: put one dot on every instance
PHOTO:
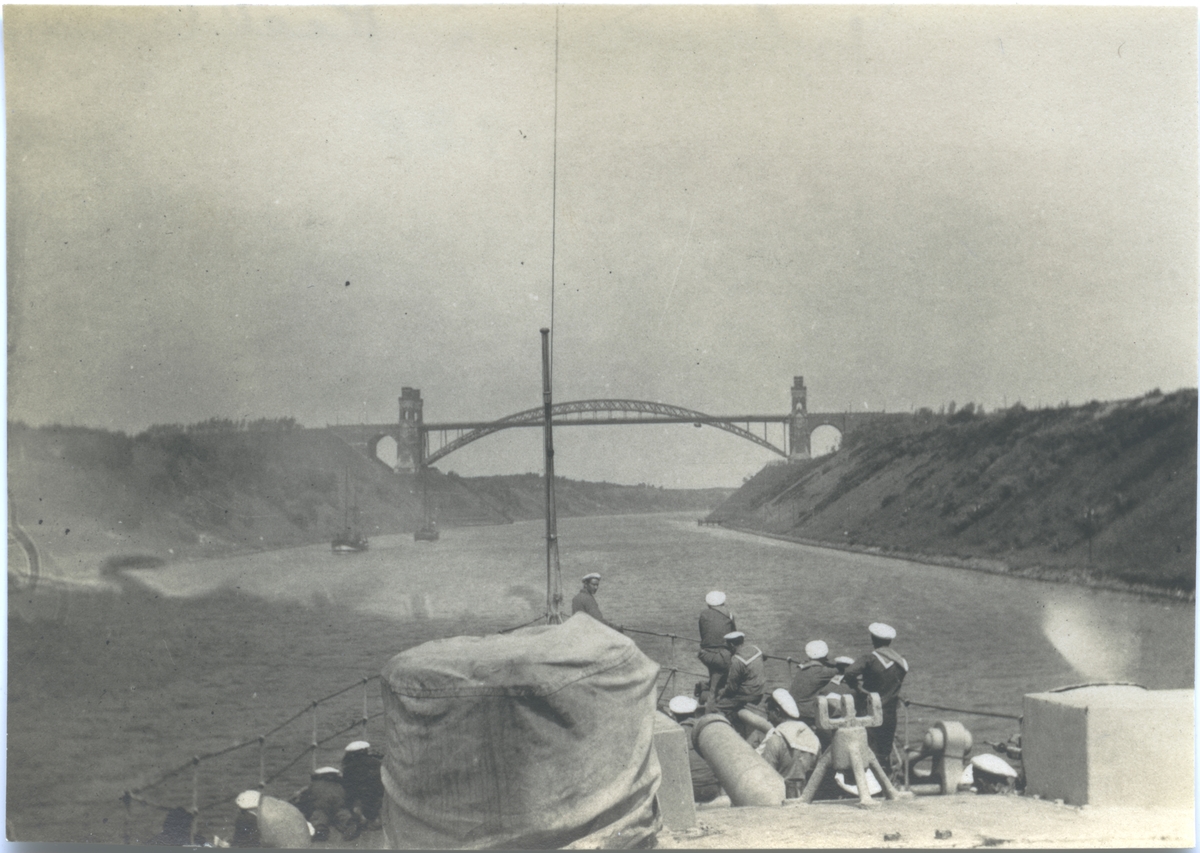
(351, 539)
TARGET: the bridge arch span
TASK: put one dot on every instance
(602, 412)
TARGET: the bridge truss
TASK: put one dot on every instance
(601, 413)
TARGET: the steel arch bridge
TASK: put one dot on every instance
(602, 412)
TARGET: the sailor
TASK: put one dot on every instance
(585, 600)
(810, 677)
(362, 780)
(323, 803)
(882, 672)
(746, 680)
(715, 622)
(245, 826)
(991, 774)
(177, 830)
(705, 787)
(834, 687)
(790, 746)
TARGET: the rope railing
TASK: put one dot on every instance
(175, 771)
(971, 711)
(141, 794)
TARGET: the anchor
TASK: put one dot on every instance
(849, 750)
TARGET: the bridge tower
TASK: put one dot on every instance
(798, 437)
(410, 450)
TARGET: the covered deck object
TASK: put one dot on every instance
(538, 738)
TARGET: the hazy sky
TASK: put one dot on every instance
(906, 205)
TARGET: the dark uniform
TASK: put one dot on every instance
(705, 785)
(177, 830)
(323, 804)
(362, 780)
(714, 625)
(810, 678)
(245, 830)
(585, 602)
(882, 672)
(746, 681)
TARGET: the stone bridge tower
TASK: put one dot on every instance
(798, 433)
(410, 449)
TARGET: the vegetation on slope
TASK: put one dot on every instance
(222, 486)
(1104, 492)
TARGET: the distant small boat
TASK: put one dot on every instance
(350, 542)
(427, 533)
(351, 539)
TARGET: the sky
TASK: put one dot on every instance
(267, 211)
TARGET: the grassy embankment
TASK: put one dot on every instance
(1102, 494)
(213, 489)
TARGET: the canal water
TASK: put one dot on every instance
(974, 641)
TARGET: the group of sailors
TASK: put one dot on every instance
(737, 681)
(346, 799)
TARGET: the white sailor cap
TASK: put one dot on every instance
(735, 635)
(715, 598)
(845, 660)
(356, 746)
(816, 649)
(248, 800)
(327, 771)
(883, 632)
(785, 701)
(993, 764)
(683, 705)
(592, 576)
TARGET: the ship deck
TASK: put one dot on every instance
(934, 822)
(972, 820)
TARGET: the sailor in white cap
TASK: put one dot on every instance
(746, 681)
(991, 774)
(715, 622)
(362, 780)
(810, 677)
(882, 672)
(836, 684)
(705, 786)
(323, 802)
(245, 826)
(835, 687)
(585, 600)
(790, 746)
(682, 707)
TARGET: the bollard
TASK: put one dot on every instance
(849, 750)
(744, 774)
(948, 744)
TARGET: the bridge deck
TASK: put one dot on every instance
(594, 420)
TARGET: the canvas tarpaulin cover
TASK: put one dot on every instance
(538, 738)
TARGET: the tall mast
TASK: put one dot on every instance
(554, 596)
